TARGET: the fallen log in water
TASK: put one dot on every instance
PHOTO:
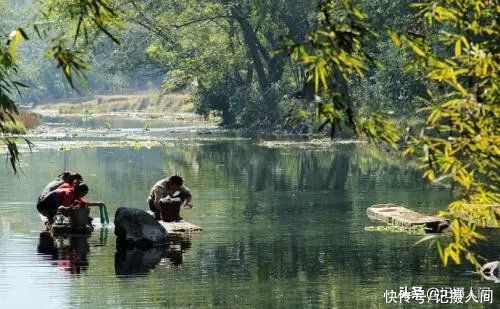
(399, 215)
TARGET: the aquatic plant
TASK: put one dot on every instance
(413, 230)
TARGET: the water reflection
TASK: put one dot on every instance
(136, 261)
(282, 228)
(69, 252)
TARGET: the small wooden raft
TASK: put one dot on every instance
(399, 215)
(178, 227)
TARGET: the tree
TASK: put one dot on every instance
(8, 85)
(460, 140)
(228, 49)
(389, 87)
(82, 18)
(336, 51)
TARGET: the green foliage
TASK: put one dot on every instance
(14, 127)
(80, 20)
(335, 51)
(224, 53)
(460, 140)
(388, 87)
(112, 67)
(336, 46)
(8, 109)
(70, 62)
(90, 14)
(378, 127)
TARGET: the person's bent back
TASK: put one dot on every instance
(168, 187)
(65, 178)
(66, 197)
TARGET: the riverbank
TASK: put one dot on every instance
(150, 102)
(64, 132)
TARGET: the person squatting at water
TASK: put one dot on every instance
(64, 198)
(65, 178)
(167, 197)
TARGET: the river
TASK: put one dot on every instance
(282, 227)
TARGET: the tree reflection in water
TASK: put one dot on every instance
(138, 261)
(69, 252)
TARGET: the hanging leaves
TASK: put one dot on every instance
(87, 15)
(462, 137)
(334, 52)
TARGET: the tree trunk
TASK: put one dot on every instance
(252, 44)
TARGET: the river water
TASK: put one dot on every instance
(282, 227)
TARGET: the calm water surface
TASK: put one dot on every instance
(282, 228)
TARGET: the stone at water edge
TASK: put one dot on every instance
(135, 227)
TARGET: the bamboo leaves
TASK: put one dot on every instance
(8, 108)
(461, 138)
(334, 52)
(86, 15)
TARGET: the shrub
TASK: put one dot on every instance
(28, 119)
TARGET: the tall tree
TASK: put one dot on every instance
(227, 47)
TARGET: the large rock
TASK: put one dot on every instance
(135, 227)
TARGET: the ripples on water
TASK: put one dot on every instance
(282, 228)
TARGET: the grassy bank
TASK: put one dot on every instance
(146, 102)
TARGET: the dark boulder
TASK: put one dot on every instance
(135, 227)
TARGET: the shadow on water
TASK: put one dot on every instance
(69, 252)
(131, 262)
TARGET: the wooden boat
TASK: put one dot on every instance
(399, 215)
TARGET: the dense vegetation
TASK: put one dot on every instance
(231, 57)
(291, 65)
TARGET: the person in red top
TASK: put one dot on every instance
(66, 196)
(72, 195)
(65, 178)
